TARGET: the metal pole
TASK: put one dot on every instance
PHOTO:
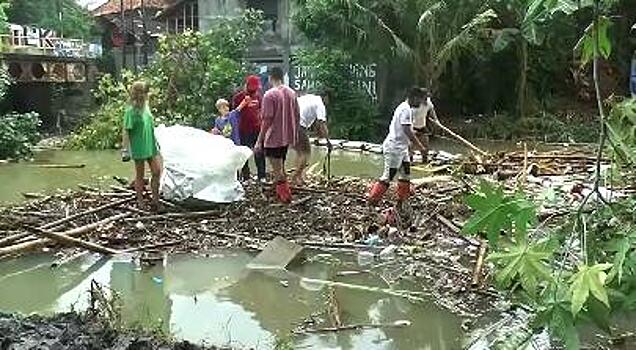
(123, 34)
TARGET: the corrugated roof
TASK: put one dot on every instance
(114, 6)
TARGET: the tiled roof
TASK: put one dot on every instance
(114, 6)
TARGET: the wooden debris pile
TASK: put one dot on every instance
(333, 216)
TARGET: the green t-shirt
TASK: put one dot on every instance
(141, 131)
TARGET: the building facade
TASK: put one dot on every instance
(133, 27)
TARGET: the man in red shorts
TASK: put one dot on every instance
(279, 130)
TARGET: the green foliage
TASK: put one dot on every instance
(352, 113)
(587, 42)
(104, 129)
(426, 35)
(589, 279)
(76, 23)
(189, 73)
(524, 262)
(18, 134)
(554, 312)
(621, 129)
(562, 299)
(496, 212)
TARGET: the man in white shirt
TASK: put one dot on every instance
(422, 115)
(396, 148)
(313, 116)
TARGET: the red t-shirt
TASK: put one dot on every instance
(250, 121)
(281, 108)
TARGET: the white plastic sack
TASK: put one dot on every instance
(200, 165)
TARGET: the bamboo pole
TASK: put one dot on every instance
(13, 238)
(75, 242)
(461, 139)
(59, 166)
(185, 215)
(44, 241)
(480, 263)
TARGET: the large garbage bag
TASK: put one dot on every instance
(200, 165)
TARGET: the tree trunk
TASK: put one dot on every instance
(523, 79)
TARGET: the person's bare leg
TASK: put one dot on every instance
(155, 169)
(277, 169)
(139, 182)
(301, 165)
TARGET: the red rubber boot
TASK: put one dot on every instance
(403, 190)
(283, 192)
(376, 192)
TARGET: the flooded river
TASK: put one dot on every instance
(100, 166)
(216, 300)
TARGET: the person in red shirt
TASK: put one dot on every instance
(250, 123)
(281, 117)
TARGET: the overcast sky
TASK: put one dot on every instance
(91, 4)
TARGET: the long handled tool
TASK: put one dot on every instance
(326, 165)
(461, 139)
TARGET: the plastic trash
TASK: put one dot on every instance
(402, 323)
(388, 253)
(373, 240)
(365, 258)
(200, 165)
(157, 280)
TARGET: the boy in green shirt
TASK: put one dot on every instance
(139, 142)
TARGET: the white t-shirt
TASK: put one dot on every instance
(311, 108)
(419, 119)
(397, 141)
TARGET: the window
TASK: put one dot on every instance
(270, 11)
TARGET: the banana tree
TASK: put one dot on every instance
(526, 23)
(426, 34)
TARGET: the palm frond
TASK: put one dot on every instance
(359, 11)
(429, 15)
(464, 40)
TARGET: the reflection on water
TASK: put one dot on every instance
(102, 165)
(217, 301)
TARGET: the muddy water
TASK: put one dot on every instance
(100, 166)
(217, 301)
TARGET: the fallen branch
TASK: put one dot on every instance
(59, 166)
(454, 229)
(334, 308)
(338, 245)
(480, 263)
(186, 215)
(30, 195)
(153, 246)
(126, 190)
(14, 238)
(18, 248)
(222, 234)
(75, 242)
(410, 295)
(397, 324)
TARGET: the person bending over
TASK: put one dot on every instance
(396, 149)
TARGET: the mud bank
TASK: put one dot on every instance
(73, 331)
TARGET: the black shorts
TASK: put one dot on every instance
(276, 152)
